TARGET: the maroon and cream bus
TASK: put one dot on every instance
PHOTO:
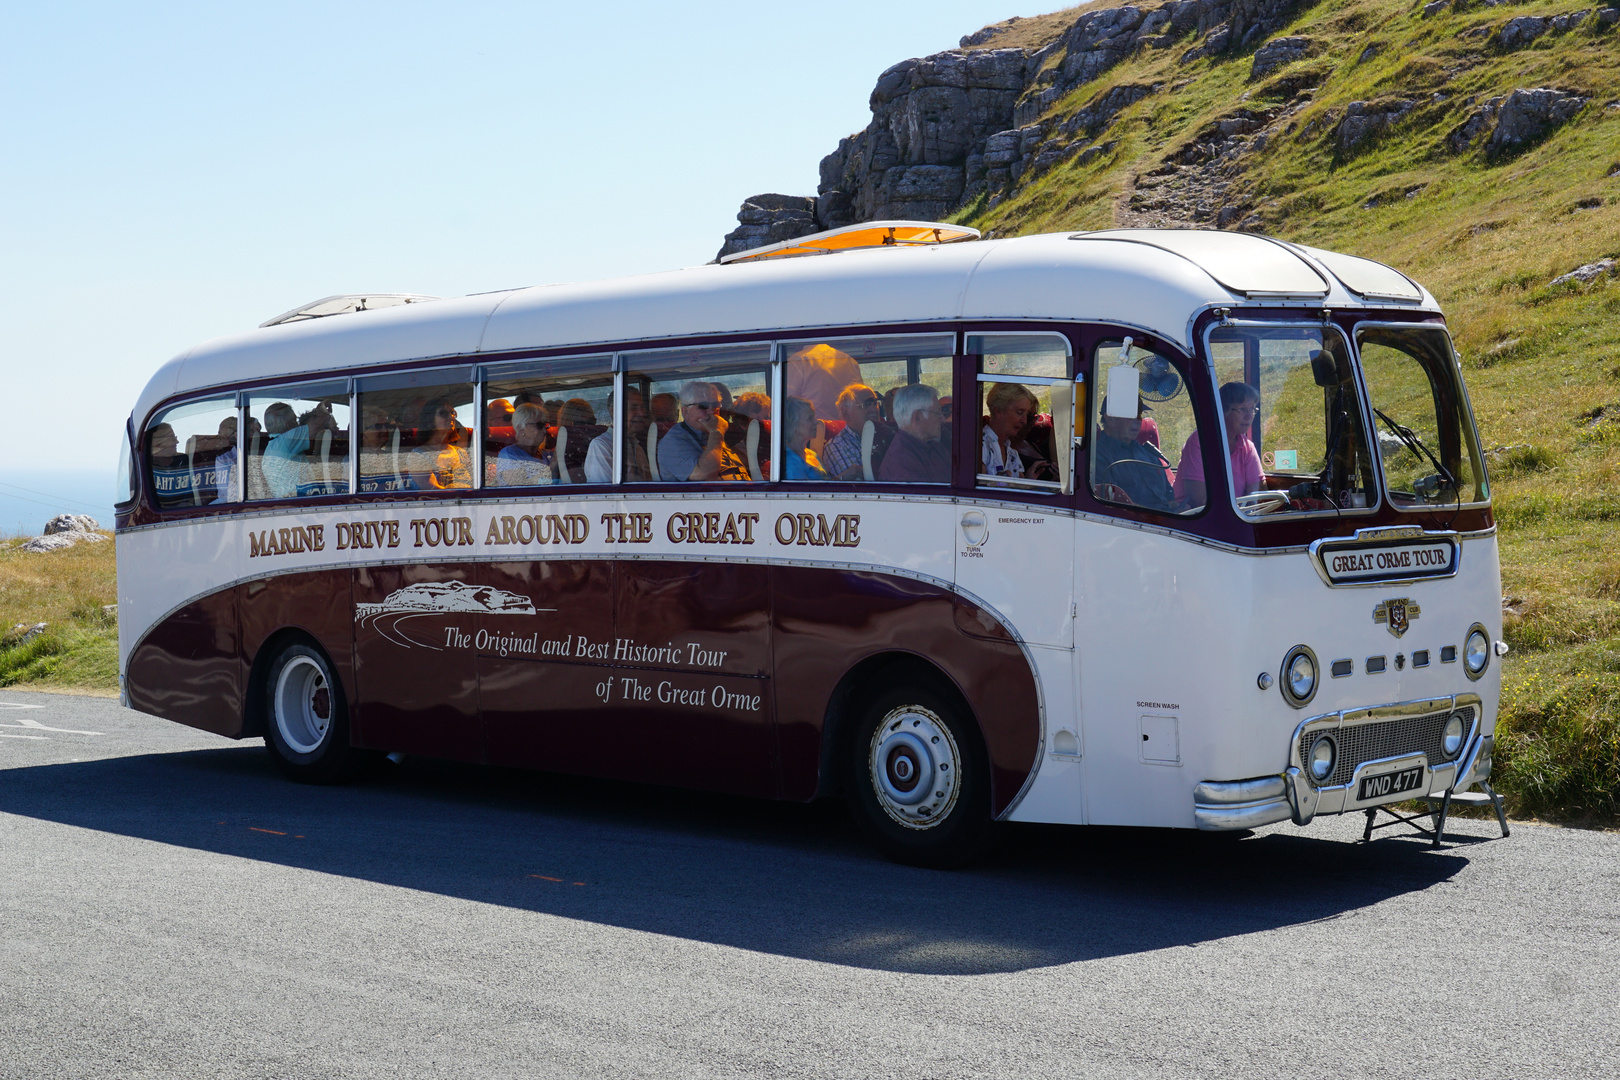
(1181, 529)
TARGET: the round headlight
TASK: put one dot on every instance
(1451, 739)
(1299, 675)
(1476, 651)
(1322, 754)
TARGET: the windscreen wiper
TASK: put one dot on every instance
(1410, 440)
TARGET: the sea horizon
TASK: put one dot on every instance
(31, 497)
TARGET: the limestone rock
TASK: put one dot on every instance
(1529, 115)
(1588, 273)
(71, 523)
(59, 541)
(1435, 8)
(1465, 134)
(1366, 120)
(1279, 52)
(770, 219)
(1608, 16)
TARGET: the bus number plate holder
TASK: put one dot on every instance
(1376, 787)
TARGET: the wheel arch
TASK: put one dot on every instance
(254, 697)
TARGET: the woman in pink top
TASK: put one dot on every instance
(1239, 404)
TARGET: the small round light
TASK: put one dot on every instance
(1299, 676)
(1451, 739)
(1322, 754)
(1264, 681)
(1476, 651)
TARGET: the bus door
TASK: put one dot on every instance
(1015, 542)
(544, 658)
(688, 698)
(414, 628)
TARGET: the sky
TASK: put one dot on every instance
(176, 172)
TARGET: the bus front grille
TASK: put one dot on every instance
(1359, 743)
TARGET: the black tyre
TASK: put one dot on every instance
(306, 719)
(919, 780)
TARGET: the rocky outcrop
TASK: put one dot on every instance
(63, 531)
(1278, 53)
(1588, 273)
(770, 219)
(1522, 31)
(1365, 121)
(1527, 116)
(960, 125)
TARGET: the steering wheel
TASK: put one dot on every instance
(1263, 502)
(1106, 481)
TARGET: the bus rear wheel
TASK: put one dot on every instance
(919, 780)
(307, 723)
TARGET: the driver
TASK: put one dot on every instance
(1136, 469)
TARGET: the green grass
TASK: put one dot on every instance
(67, 590)
(1486, 237)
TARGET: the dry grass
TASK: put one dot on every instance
(67, 591)
(1031, 33)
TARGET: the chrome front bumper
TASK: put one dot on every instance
(1246, 804)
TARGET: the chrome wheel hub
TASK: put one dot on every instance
(303, 705)
(914, 767)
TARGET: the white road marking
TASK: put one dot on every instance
(35, 725)
(18, 705)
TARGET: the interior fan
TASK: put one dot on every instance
(1159, 380)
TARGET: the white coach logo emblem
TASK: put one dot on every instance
(1396, 614)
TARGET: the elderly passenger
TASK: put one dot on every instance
(798, 428)
(856, 405)
(917, 456)
(526, 463)
(695, 449)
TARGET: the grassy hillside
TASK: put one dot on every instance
(1486, 234)
(67, 590)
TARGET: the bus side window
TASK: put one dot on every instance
(1019, 441)
(191, 452)
(298, 442)
(551, 422)
(842, 403)
(1148, 449)
(414, 433)
(707, 415)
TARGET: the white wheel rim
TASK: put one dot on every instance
(914, 767)
(303, 705)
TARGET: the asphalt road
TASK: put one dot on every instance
(170, 907)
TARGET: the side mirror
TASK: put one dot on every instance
(1325, 369)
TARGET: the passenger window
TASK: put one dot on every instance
(1147, 450)
(413, 431)
(551, 422)
(849, 401)
(298, 442)
(1023, 439)
(191, 451)
(708, 411)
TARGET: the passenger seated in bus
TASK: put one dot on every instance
(498, 414)
(599, 455)
(553, 411)
(1012, 407)
(917, 455)
(1239, 404)
(171, 470)
(665, 412)
(286, 461)
(526, 463)
(695, 449)
(576, 411)
(753, 405)
(857, 404)
(1124, 469)
(379, 463)
(819, 373)
(798, 428)
(440, 462)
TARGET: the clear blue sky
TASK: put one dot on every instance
(175, 172)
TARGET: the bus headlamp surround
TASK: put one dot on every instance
(1476, 651)
(1299, 676)
(1324, 753)
(1451, 738)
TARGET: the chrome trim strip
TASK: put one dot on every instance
(1231, 818)
(1219, 792)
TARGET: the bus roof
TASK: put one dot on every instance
(1153, 280)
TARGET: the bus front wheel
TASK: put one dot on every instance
(920, 780)
(308, 725)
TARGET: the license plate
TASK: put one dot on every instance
(1376, 787)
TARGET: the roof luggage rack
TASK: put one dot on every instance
(867, 234)
(345, 305)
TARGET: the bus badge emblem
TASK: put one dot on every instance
(1397, 614)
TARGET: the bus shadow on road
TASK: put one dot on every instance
(785, 879)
